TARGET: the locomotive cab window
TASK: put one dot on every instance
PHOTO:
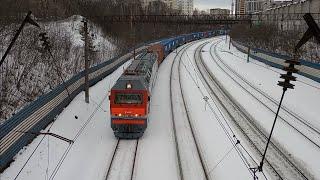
(122, 98)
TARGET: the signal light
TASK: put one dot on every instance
(129, 86)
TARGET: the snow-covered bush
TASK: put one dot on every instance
(29, 71)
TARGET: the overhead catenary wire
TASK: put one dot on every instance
(275, 147)
(99, 106)
(193, 128)
(224, 156)
(264, 66)
(69, 146)
(66, 152)
(35, 149)
(181, 175)
(55, 66)
(29, 20)
(286, 110)
(225, 130)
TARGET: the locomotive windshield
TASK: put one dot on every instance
(128, 98)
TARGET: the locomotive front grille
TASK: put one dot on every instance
(129, 125)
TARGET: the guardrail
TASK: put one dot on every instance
(307, 69)
(41, 112)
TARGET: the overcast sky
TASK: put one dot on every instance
(209, 4)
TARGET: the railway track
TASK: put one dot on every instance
(277, 163)
(286, 115)
(191, 165)
(123, 160)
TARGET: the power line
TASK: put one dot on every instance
(46, 46)
(32, 153)
(27, 19)
(246, 163)
(65, 154)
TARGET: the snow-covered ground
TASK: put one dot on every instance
(220, 154)
(89, 156)
(301, 101)
(29, 72)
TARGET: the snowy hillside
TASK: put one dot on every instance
(29, 71)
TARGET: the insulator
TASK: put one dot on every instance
(293, 61)
(288, 77)
(285, 84)
(290, 69)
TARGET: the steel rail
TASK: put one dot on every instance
(192, 126)
(275, 103)
(178, 57)
(114, 156)
(229, 114)
(172, 115)
(258, 137)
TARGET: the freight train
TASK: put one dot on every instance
(131, 94)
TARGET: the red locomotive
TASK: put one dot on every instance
(130, 96)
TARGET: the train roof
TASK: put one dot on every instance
(138, 73)
(140, 65)
(137, 83)
(166, 41)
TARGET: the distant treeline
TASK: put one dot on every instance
(269, 37)
(63, 8)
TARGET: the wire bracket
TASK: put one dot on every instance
(48, 133)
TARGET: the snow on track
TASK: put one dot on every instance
(296, 147)
(156, 158)
(246, 129)
(222, 159)
(192, 165)
(122, 165)
(89, 155)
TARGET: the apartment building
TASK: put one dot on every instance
(186, 6)
(170, 3)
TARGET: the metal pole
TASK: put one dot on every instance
(86, 79)
(134, 42)
(229, 43)
(15, 38)
(226, 36)
(274, 123)
(248, 54)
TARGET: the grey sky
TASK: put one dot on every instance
(209, 4)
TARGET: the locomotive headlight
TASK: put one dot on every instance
(129, 86)
(136, 115)
(120, 114)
